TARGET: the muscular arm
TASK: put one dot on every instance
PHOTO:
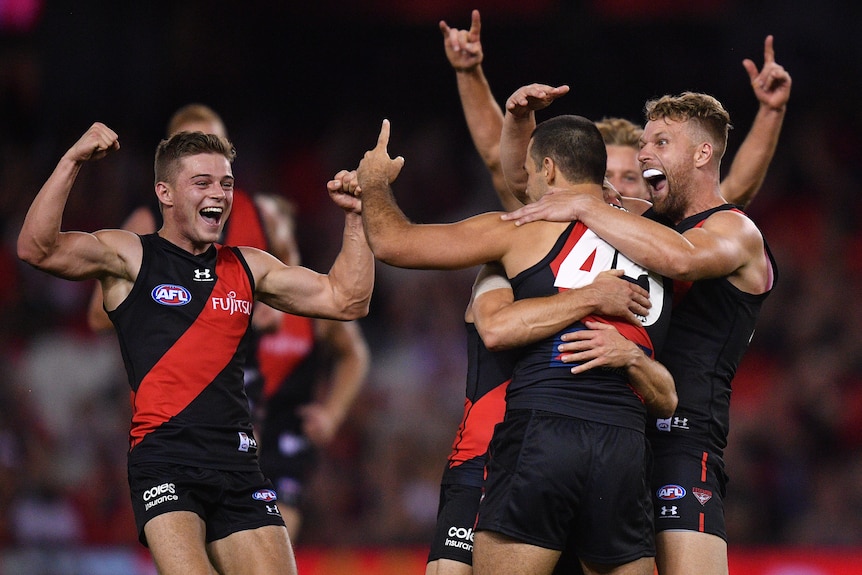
(322, 419)
(603, 346)
(518, 125)
(504, 323)
(73, 255)
(482, 112)
(771, 87)
(344, 293)
(395, 240)
(723, 245)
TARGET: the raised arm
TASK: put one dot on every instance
(518, 125)
(504, 323)
(351, 360)
(771, 86)
(74, 255)
(482, 112)
(397, 241)
(601, 345)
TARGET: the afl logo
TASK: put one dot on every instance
(671, 492)
(169, 294)
(264, 495)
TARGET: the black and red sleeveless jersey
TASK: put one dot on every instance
(184, 332)
(541, 380)
(711, 326)
(488, 376)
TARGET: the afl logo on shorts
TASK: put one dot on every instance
(671, 492)
(169, 294)
(264, 495)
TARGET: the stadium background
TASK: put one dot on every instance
(303, 89)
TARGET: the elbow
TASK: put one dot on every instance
(30, 253)
(356, 310)
(495, 338)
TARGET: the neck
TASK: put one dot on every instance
(193, 247)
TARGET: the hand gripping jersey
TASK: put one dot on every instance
(184, 332)
(711, 326)
(488, 376)
(541, 380)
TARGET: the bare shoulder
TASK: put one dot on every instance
(734, 224)
(259, 261)
(125, 244)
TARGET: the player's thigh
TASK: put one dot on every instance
(177, 543)
(497, 554)
(262, 551)
(447, 567)
(685, 552)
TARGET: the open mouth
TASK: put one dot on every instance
(654, 178)
(212, 215)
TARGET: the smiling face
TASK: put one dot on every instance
(197, 200)
(667, 159)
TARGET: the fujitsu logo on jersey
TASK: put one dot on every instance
(231, 304)
(170, 294)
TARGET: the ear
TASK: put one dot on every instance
(549, 169)
(703, 154)
(164, 194)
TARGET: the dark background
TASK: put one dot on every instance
(303, 88)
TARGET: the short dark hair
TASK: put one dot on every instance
(183, 144)
(575, 144)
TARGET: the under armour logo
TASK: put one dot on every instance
(203, 275)
(669, 511)
(680, 422)
(272, 509)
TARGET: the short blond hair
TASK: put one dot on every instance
(620, 132)
(703, 110)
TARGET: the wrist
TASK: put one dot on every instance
(471, 69)
(770, 109)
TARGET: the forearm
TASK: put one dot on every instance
(485, 121)
(514, 140)
(351, 276)
(647, 243)
(529, 320)
(383, 221)
(752, 160)
(40, 232)
(653, 382)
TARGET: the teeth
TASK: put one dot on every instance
(211, 210)
(652, 173)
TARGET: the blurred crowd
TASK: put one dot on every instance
(795, 452)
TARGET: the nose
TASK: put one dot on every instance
(643, 154)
